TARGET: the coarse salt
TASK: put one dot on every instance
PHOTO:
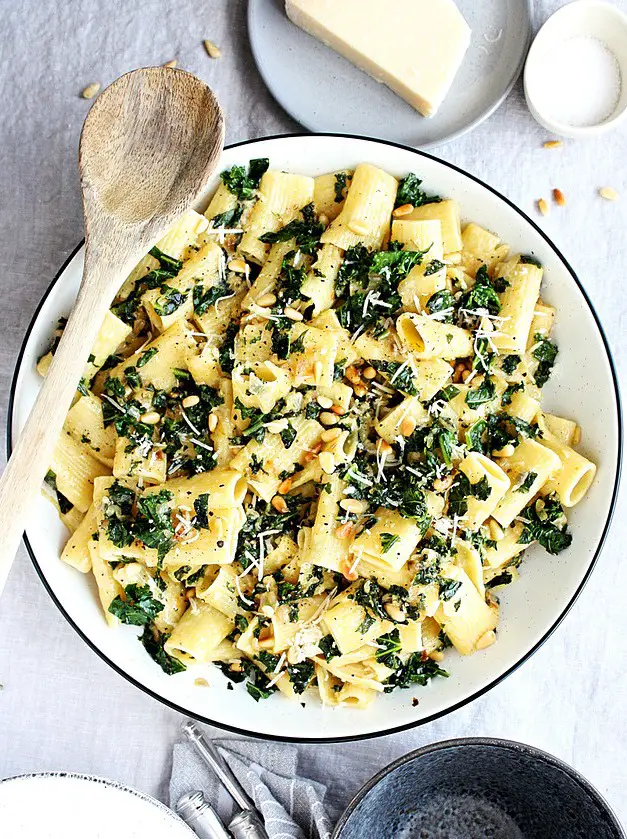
(581, 82)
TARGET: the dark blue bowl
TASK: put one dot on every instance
(478, 788)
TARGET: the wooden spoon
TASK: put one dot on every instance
(148, 148)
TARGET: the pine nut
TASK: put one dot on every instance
(327, 418)
(408, 426)
(369, 373)
(200, 681)
(495, 530)
(465, 374)
(317, 371)
(330, 434)
(436, 655)
(170, 63)
(266, 300)
(91, 90)
(486, 640)
(352, 374)
(442, 484)
(395, 612)
(360, 390)
(150, 418)
(279, 504)
(553, 144)
(543, 207)
(458, 372)
(190, 401)
(277, 426)
(285, 486)
(609, 193)
(359, 228)
(238, 266)
(327, 462)
(213, 51)
(506, 451)
(323, 219)
(403, 210)
(337, 409)
(559, 197)
(353, 505)
(384, 447)
(292, 314)
(212, 422)
(266, 643)
(324, 402)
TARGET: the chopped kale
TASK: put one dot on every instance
(153, 523)
(510, 390)
(301, 675)
(328, 647)
(433, 267)
(153, 642)
(462, 489)
(146, 356)
(340, 186)
(482, 295)
(389, 648)
(417, 670)
(485, 392)
(502, 579)
(527, 483)
(409, 192)
(243, 184)
(138, 606)
(545, 523)
(166, 263)
(388, 540)
(306, 232)
(442, 302)
(204, 298)
(201, 510)
(510, 363)
(401, 376)
(527, 259)
(545, 352)
(448, 588)
(228, 219)
(288, 435)
(171, 299)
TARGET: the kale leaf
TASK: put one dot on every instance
(138, 606)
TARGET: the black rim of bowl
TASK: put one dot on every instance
(490, 742)
(415, 723)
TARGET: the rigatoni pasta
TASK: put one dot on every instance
(310, 442)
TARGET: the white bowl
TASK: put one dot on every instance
(66, 805)
(594, 19)
(584, 386)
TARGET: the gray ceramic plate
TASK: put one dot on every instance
(324, 92)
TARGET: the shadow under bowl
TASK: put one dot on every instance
(478, 789)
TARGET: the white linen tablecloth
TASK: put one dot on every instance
(61, 707)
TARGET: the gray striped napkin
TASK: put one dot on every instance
(292, 806)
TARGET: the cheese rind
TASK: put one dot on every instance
(415, 47)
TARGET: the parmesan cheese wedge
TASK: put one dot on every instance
(415, 47)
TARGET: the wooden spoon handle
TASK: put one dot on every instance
(22, 479)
